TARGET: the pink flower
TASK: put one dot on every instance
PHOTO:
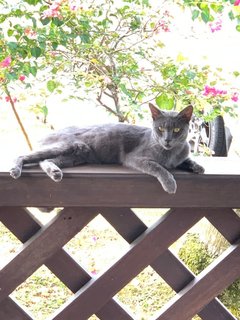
(94, 272)
(7, 99)
(6, 62)
(107, 80)
(212, 91)
(216, 25)
(235, 95)
(94, 239)
(22, 77)
(237, 3)
(31, 34)
(73, 5)
(53, 11)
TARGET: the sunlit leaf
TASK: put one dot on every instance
(51, 85)
(36, 52)
(165, 101)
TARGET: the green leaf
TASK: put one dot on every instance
(51, 85)
(57, 22)
(85, 38)
(238, 27)
(165, 101)
(125, 90)
(195, 14)
(36, 52)
(205, 16)
(10, 32)
(33, 71)
(218, 8)
(44, 110)
(34, 22)
(231, 15)
(54, 45)
(45, 21)
(12, 45)
(12, 76)
(32, 2)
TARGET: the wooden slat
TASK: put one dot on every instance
(60, 263)
(25, 227)
(113, 310)
(9, 310)
(227, 222)
(213, 280)
(167, 265)
(125, 221)
(109, 185)
(40, 247)
(215, 310)
(143, 251)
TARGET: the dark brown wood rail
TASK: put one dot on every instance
(112, 191)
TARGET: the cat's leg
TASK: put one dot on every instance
(190, 165)
(33, 158)
(153, 168)
(52, 167)
(76, 150)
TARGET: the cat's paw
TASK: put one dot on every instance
(15, 172)
(56, 175)
(197, 168)
(169, 185)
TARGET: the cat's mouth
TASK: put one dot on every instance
(167, 146)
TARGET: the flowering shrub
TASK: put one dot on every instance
(112, 51)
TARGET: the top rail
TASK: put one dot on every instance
(116, 186)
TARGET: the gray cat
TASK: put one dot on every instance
(152, 151)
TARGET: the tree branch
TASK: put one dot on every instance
(18, 118)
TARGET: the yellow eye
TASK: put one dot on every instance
(161, 129)
(176, 130)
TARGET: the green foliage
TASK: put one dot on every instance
(194, 254)
(197, 256)
(112, 51)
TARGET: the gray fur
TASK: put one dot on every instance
(149, 150)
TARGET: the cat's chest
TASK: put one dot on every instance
(170, 159)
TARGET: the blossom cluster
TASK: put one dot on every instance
(215, 25)
(54, 9)
(6, 62)
(214, 92)
(237, 3)
(164, 23)
(31, 34)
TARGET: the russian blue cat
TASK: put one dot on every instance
(154, 150)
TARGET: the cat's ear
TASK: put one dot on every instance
(156, 113)
(186, 113)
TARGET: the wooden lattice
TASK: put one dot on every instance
(148, 246)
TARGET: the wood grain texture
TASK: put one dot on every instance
(107, 186)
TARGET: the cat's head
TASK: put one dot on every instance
(170, 128)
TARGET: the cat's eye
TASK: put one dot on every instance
(161, 129)
(176, 130)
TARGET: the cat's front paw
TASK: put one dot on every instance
(15, 173)
(169, 184)
(56, 175)
(196, 168)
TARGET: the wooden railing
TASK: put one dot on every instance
(112, 191)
